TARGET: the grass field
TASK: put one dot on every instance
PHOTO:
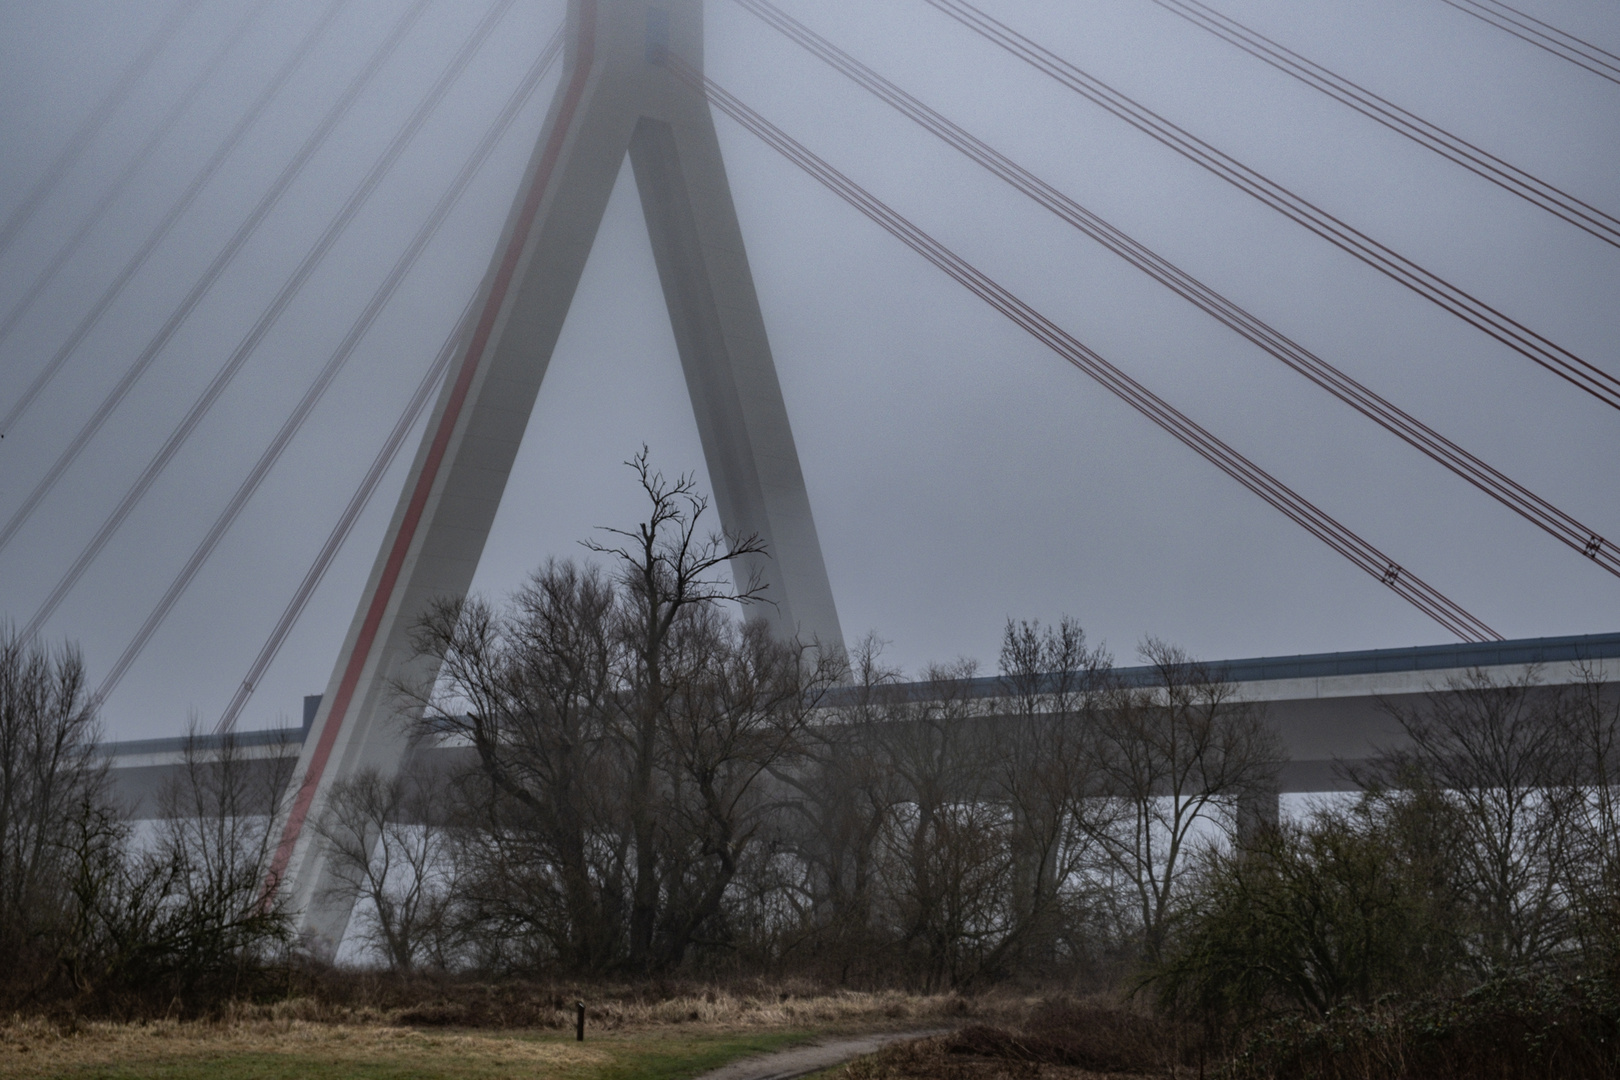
(299, 1049)
(670, 1039)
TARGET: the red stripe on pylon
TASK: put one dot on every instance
(436, 452)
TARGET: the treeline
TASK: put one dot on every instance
(757, 812)
(97, 912)
(653, 786)
(657, 785)
(1459, 917)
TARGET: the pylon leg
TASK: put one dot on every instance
(741, 418)
(616, 97)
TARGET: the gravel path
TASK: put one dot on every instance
(812, 1057)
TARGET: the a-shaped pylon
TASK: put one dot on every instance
(617, 95)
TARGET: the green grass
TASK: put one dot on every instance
(677, 1059)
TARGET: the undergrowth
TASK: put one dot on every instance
(1510, 1027)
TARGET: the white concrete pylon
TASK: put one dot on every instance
(617, 96)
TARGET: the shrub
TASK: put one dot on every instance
(1511, 1027)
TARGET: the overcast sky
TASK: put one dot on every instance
(960, 472)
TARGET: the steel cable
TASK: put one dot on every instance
(1555, 358)
(1354, 548)
(1480, 162)
(212, 274)
(93, 124)
(1542, 35)
(350, 516)
(133, 265)
(1510, 493)
(335, 364)
(284, 298)
(144, 154)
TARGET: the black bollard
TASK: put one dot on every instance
(579, 1021)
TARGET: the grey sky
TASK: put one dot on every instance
(960, 472)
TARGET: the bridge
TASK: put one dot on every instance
(1329, 709)
(634, 84)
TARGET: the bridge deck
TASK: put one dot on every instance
(1329, 708)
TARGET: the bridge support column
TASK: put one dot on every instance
(1258, 811)
(617, 96)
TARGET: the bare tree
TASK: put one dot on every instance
(1174, 760)
(1308, 917)
(391, 851)
(1054, 682)
(943, 847)
(49, 774)
(215, 842)
(1494, 759)
(622, 726)
(737, 715)
(837, 800)
(110, 944)
(667, 568)
(533, 692)
(1593, 856)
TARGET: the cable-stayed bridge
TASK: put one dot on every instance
(628, 79)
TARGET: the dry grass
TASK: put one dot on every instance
(37, 1049)
(935, 1059)
(1062, 1039)
(631, 1007)
(868, 1010)
(480, 1032)
(719, 1009)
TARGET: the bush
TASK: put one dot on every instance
(1305, 919)
(1512, 1027)
(49, 774)
(1096, 1035)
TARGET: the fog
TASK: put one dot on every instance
(960, 472)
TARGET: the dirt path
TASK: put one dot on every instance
(812, 1057)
